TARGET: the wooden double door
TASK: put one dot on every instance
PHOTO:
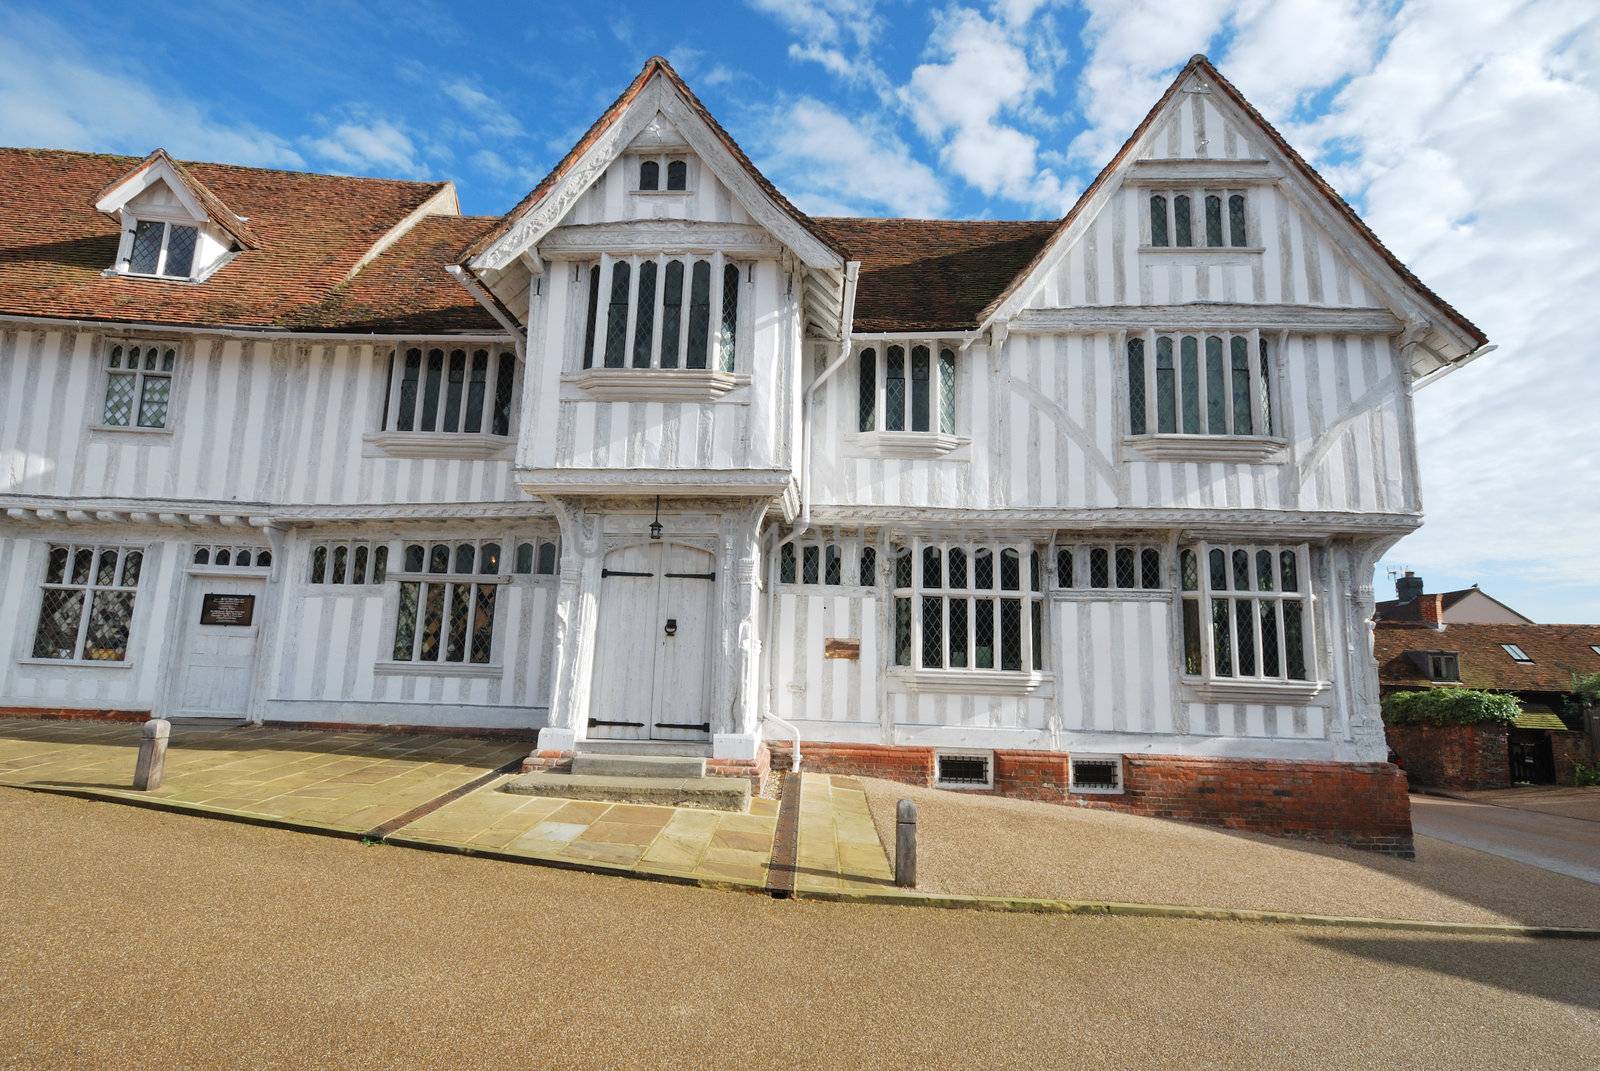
(653, 644)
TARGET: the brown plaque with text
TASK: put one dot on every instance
(850, 649)
(227, 609)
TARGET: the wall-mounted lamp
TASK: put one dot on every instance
(655, 525)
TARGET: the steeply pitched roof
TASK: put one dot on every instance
(220, 214)
(1339, 204)
(922, 274)
(312, 229)
(1558, 652)
(653, 66)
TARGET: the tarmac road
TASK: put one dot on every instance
(134, 938)
(1555, 842)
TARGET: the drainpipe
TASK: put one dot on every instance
(847, 315)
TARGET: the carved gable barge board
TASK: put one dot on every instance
(1219, 316)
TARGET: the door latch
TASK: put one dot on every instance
(672, 626)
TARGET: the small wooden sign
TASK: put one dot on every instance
(835, 648)
(217, 609)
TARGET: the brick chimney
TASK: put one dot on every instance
(1408, 587)
(1430, 610)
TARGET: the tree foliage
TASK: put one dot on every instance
(1450, 706)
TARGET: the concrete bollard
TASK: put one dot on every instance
(152, 754)
(905, 844)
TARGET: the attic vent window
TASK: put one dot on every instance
(1517, 653)
(652, 169)
(963, 770)
(1096, 774)
(163, 249)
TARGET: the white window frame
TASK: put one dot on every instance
(964, 753)
(90, 588)
(1437, 662)
(125, 253)
(542, 566)
(941, 436)
(717, 360)
(1197, 218)
(1083, 559)
(1263, 442)
(212, 551)
(811, 559)
(433, 438)
(1032, 640)
(663, 162)
(120, 349)
(401, 575)
(330, 558)
(1095, 790)
(1257, 686)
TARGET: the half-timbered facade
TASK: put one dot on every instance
(1075, 509)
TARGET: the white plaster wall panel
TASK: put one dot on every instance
(824, 692)
(1114, 665)
(612, 198)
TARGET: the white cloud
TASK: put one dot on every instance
(368, 145)
(840, 35)
(493, 119)
(832, 164)
(960, 101)
(52, 94)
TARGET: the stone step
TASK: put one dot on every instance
(706, 793)
(609, 765)
(699, 749)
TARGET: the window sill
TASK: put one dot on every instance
(1243, 449)
(128, 429)
(438, 444)
(1221, 252)
(1245, 691)
(657, 384)
(971, 681)
(77, 663)
(661, 193)
(438, 669)
(905, 444)
(1109, 594)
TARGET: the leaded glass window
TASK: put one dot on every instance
(1222, 221)
(969, 607)
(1211, 388)
(446, 614)
(163, 249)
(1113, 567)
(827, 562)
(456, 390)
(347, 563)
(906, 389)
(86, 606)
(1246, 614)
(231, 557)
(645, 325)
(138, 385)
(728, 334)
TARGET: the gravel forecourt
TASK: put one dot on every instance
(135, 938)
(991, 846)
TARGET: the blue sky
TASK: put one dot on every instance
(1464, 130)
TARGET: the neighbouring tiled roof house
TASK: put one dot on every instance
(1076, 509)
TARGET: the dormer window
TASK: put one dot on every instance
(1444, 666)
(663, 174)
(163, 249)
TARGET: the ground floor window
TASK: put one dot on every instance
(86, 608)
(445, 610)
(827, 564)
(968, 606)
(1247, 612)
(1111, 567)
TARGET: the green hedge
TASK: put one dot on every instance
(1450, 706)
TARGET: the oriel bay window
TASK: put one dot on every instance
(1247, 615)
(445, 609)
(663, 312)
(1200, 384)
(974, 609)
(86, 606)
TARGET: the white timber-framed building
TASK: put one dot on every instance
(657, 457)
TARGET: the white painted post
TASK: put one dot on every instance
(152, 755)
(905, 844)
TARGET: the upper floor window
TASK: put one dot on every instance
(901, 391)
(1193, 384)
(663, 313)
(213, 556)
(1108, 568)
(1246, 613)
(1517, 653)
(652, 169)
(138, 385)
(1444, 666)
(163, 249)
(86, 607)
(968, 607)
(452, 391)
(828, 564)
(1214, 218)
